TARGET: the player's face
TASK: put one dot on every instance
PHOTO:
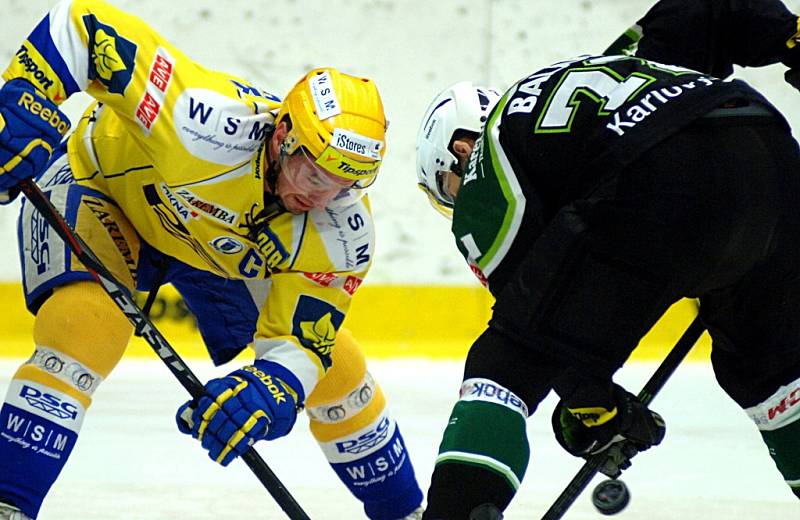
(450, 184)
(304, 185)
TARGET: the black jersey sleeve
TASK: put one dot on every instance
(711, 36)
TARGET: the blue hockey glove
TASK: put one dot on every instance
(257, 402)
(8, 195)
(617, 424)
(31, 127)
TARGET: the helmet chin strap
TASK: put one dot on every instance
(457, 170)
(272, 176)
(256, 220)
(273, 170)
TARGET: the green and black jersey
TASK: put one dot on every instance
(558, 133)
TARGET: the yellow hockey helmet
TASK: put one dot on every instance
(338, 119)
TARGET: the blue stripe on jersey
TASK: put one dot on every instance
(40, 38)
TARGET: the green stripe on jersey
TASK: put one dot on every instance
(487, 435)
(490, 203)
(512, 193)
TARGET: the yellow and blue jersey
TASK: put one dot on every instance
(180, 149)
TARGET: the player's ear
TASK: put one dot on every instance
(463, 147)
(281, 130)
(278, 137)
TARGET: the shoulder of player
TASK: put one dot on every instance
(338, 240)
(350, 222)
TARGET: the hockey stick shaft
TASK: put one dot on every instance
(646, 395)
(144, 327)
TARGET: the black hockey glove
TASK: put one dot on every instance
(792, 77)
(617, 424)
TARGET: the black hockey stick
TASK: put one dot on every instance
(144, 327)
(646, 395)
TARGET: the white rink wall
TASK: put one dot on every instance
(411, 48)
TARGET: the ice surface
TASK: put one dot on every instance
(131, 463)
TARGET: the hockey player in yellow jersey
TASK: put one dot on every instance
(252, 207)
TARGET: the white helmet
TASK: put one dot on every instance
(462, 106)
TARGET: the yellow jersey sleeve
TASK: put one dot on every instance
(176, 116)
(87, 45)
(305, 305)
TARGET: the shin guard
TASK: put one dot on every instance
(79, 338)
(361, 441)
(39, 424)
(778, 420)
(484, 452)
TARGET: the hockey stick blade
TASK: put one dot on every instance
(667, 367)
(144, 327)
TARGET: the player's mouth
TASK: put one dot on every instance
(297, 204)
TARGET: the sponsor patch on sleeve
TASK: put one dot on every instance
(28, 63)
(158, 80)
(112, 56)
(348, 284)
(315, 323)
(323, 279)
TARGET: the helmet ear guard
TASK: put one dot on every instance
(290, 144)
(461, 108)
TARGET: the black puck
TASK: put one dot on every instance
(610, 496)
